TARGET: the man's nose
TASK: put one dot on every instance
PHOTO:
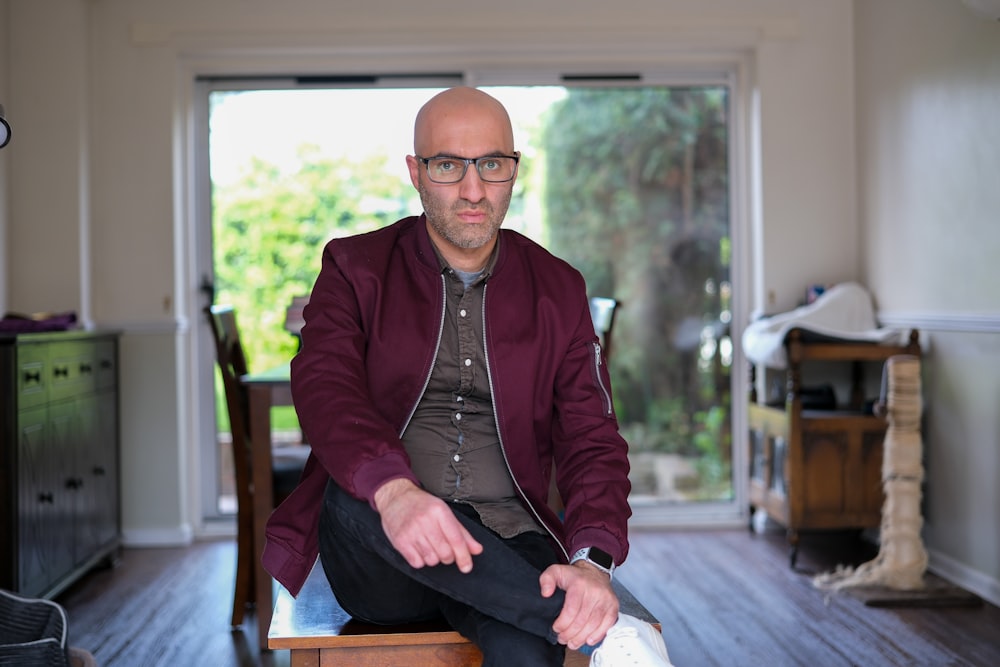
(471, 187)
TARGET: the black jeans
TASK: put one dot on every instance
(497, 605)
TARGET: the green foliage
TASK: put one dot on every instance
(637, 199)
(714, 443)
(270, 228)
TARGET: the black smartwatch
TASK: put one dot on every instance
(599, 558)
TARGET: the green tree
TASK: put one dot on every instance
(637, 198)
(270, 227)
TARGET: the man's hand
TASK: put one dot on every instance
(591, 606)
(422, 527)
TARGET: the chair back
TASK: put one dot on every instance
(233, 365)
(602, 312)
(294, 320)
(277, 475)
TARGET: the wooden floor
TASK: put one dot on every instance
(725, 598)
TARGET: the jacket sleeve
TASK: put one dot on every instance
(354, 442)
(591, 457)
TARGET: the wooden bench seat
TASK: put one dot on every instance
(319, 633)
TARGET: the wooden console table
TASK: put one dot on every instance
(820, 469)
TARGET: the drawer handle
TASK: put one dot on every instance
(74, 483)
(32, 377)
(85, 368)
(46, 498)
(61, 372)
(99, 471)
(106, 364)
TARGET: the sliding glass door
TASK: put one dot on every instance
(631, 181)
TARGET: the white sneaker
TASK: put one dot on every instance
(631, 642)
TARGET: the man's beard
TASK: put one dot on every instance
(461, 235)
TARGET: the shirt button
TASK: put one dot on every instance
(457, 458)
(458, 416)
(468, 362)
(462, 312)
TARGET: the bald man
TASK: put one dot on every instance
(448, 369)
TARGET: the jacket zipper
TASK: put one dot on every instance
(437, 347)
(598, 362)
(503, 448)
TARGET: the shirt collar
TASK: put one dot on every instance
(487, 269)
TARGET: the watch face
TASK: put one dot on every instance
(602, 558)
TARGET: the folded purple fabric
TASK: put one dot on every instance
(12, 323)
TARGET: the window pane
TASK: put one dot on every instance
(631, 185)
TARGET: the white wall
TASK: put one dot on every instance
(47, 154)
(126, 68)
(809, 228)
(928, 74)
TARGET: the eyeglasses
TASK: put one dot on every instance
(451, 169)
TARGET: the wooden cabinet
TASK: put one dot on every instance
(821, 469)
(59, 484)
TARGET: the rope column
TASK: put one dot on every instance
(902, 559)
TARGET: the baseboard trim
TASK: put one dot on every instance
(212, 529)
(962, 575)
(178, 536)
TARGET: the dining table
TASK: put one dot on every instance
(265, 390)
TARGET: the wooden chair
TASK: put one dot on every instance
(294, 320)
(602, 312)
(287, 463)
(317, 631)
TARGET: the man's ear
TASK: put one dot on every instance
(414, 166)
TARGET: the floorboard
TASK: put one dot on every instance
(724, 597)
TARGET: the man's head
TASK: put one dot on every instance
(463, 123)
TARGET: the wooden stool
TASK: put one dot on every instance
(319, 633)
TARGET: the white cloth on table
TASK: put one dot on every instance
(845, 312)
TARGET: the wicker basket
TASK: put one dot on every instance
(32, 632)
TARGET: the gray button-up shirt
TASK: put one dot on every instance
(452, 438)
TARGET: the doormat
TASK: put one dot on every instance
(936, 593)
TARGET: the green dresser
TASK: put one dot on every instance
(59, 472)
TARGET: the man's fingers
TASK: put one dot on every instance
(590, 607)
(419, 553)
(427, 533)
(585, 624)
(459, 546)
(547, 582)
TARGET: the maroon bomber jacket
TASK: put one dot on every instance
(369, 340)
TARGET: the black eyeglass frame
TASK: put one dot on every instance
(466, 161)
